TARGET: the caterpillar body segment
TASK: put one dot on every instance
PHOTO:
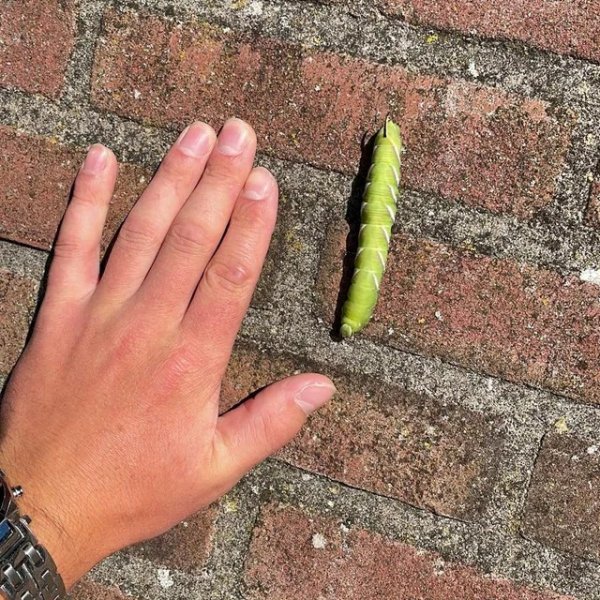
(378, 212)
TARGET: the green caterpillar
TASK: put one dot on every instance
(378, 211)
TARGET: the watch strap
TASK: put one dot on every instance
(29, 573)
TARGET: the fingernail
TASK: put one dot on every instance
(195, 140)
(96, 159)
(233, 138)
(313, 396)
(258, 185)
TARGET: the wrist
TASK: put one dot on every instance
(49, 524)
(56, 540)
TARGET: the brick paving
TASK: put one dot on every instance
(460, 457)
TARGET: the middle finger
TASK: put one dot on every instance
(199, 226)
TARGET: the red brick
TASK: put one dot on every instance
(185, 547)
(17, 301)
(36, 40)
(356, 564)
(562, 26)
(496, 316)
(37, 174)
(478, 144)
(385, 440)
(563, 506)
(89, 590)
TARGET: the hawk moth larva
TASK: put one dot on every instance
(378, 211)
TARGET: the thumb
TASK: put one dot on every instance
(266, 422)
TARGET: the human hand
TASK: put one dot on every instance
(110, 419)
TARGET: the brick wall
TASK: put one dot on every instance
(460, 457)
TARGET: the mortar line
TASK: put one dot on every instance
(375, 494)
(79, 69)
(530, 483)
(513, 44)
(523, 403)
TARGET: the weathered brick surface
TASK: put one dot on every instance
(90, 590)
(496, 316)
(17, 301)
(385, 440)
(593, 210)
(185, 547)
(293, 555)
(36, 40)
(467, 142)
(563, 506)
(563, 26)
(37, 175)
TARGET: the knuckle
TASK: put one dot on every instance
(181, 362)
(138, 235)
(181, 370)
(175, 167)
(232, 278)
(252, 216)
(84, 195)
(128, 342)
(67, 247)
(191, 238)
(263, 429)
(220, 174)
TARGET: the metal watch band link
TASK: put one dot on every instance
(29, 573)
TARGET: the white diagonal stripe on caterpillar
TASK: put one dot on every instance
(391, 212)
(375, 280)
(385, 233)
(356, 272)
(396, 149)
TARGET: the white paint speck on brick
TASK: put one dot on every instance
(255, 8)
(591, 276)
(165, 579)
(473, 69)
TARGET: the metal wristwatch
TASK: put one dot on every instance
(27, 572)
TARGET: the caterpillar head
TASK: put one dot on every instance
(346, 330)
(350, 327)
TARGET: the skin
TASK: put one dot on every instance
(110, 419)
